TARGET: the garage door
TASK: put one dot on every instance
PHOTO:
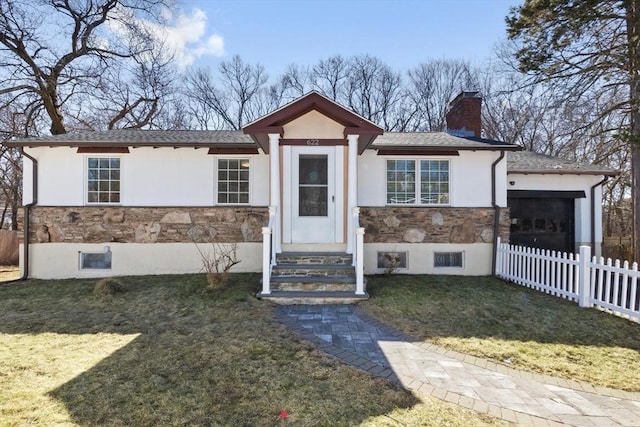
(543, 219)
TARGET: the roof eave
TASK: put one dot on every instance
(126, 144)
(445, 147)
(561, 172)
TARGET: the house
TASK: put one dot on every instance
(553, 203)
(304, 181)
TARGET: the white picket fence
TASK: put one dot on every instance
(589, 281)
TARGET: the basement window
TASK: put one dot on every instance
(95, 260)
(448, 259)
(392, 260)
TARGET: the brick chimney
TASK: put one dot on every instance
(463, 117)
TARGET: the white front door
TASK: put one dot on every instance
(314, 205)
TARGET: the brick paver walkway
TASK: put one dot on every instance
(346, 332)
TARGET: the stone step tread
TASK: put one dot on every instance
(303, 254)
(292, 256)
(312, 294)
(312, 266)
(313, 279)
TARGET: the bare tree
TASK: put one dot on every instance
(329, 77)
(373, 90)
(141, 94)
(52, 52)
(14, 122)
(240, 99)
(432, 85)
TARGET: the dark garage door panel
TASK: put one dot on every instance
(545, 223)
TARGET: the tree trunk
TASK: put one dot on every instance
(635, 174)
(633, 35)
(50, 101)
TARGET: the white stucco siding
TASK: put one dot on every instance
(477, 258)
(469, 174)
(567, 182)
(60, 176)
(313, 125)
(170, 177)
(471, 179)
(27, 180)
(371, 179)
(61, 260)
(149, 177)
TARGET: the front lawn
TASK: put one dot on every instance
(167, 352)
(512, 325)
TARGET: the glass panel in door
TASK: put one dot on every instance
(313, 185)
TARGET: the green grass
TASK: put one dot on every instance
(168, 352)
(512, 325)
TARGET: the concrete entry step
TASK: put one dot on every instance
(316, 286)
(312, 297)
(313, 278)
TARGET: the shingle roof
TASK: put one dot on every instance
(517, 161)
(139, 137)
(529, 162)
(436, 140)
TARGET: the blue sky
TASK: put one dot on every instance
(275, 33)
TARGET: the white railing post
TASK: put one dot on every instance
(584, 276)
(498, 259)
(355, 222)
(359, 261)
(274, 185)
(266, 260)
(352, 188)
(273, 212)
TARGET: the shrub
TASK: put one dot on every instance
(108, 286)
(217, 262)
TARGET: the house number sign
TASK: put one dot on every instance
(313, 142)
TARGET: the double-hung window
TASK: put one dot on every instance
(417, 182)
(103, 180)
(233, 181)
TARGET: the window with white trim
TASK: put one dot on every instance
(417, 182)
(233, 181)
(103, 180)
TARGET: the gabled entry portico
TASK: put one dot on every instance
(313, 144)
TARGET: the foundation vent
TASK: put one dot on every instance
(448, 259)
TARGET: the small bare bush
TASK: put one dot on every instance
(392, 262)
(217, 262)
(108, 286)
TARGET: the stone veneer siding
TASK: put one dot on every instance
(92, 224)
(392, 224)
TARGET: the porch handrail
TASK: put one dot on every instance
(358, 253)
(273, 225)
(268, 250)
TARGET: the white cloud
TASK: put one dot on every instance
(186, 36)
(213, 46)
